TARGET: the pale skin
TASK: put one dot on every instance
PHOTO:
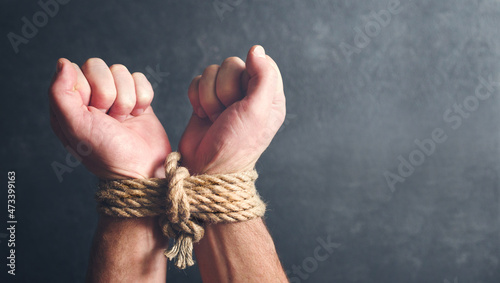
(237, 109)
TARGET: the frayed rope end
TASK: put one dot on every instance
(183, 250)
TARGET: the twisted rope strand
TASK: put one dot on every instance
(184, 203)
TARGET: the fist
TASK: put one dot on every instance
(108, 109)
(237, 109)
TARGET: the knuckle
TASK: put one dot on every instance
(231, 60)
(144, 96)
(108, 94)
(193, 91)
(210, 104)
(194, 83)
(204, 83)
(118, 68)
(142, 82)
(210, 70)
(138, 75)
(128, 103)
(193, 95)
(91, 62)
(222, 92)
(227, 94)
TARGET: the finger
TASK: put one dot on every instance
(125, 93)
(101, 82)
(192, 137)
(229, 79)
(276, 68)
(194, 97)
(82, 85)
(208, 98)
(65, 99)
(144, 93)
(265, 81)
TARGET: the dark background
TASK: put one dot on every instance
(349, 119)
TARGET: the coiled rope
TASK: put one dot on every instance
(184, 203)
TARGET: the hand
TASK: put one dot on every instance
(108, 110)
(237, 110)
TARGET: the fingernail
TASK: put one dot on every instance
(138, 112)
(259, 51)
(59, 65)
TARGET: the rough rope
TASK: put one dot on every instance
(184, 203)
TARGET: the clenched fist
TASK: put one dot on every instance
(109, 110)
(237, 109)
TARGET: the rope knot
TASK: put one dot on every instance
(176, 221)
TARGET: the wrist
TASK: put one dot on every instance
(159, 172)
(215, 167)
(144, 229)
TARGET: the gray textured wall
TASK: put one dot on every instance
(345, 167)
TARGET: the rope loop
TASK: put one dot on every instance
(183, 203)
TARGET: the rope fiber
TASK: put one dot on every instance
(184, 203)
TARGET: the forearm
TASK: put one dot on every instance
(127, 250)
(238, 252)
(238, 107)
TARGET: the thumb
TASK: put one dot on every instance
(264, 79)
(65, 100)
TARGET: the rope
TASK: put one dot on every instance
(184, 203)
